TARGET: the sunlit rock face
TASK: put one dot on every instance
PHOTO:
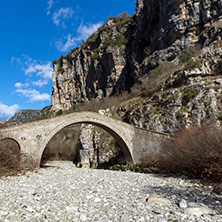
(126, 48)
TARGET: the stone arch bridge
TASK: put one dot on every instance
(137, 144)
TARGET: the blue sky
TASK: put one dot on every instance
(33, 34)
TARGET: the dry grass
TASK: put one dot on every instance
(95, 105)
(9, 158)
(196, 152)
(154, 81)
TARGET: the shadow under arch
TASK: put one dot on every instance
(112, 129)
(16, 140)
(12, 144)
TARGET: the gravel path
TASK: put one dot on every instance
(65, 193)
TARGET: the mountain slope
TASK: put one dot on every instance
(127, 48)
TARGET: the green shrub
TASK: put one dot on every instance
(61, 70)
(59, 113)
(219, 118)
(121, 20)
(103, 28)
(192, 64)
(119, 40)
(156, 78)
(189, 94)
(54, 62)
(193, 51)
(95, 55)
(184, 57)
(92, 38)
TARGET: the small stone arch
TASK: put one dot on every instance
(100, 121)
(10, 138)
(14, 139)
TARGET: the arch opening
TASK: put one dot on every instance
(10, 156)
(105, 146)
(64, 145)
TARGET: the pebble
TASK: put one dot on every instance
(161, 220)
(183, 204)
(66, 193)
(156, 199)
(198, 211)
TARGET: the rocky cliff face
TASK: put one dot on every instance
(127, 48)
(23, 116)
(93, 70)
(171, 49)
(187, 96)
(98, 148)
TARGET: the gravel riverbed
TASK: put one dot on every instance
(63, 192)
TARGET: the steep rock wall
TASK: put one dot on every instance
(94, 70)
(127, 48)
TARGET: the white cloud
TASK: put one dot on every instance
(70, 42)
(21, 85)
(64, 13)
(50, 4)
(18, 85)
(40, 83)
(86, 30)
(14, 59)
(43, 70)
(8, 110)
(33, 95)
(31, 66)
(30, 69)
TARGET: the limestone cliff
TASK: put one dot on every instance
(126, 48)
(95, 69)
(169, 51)
(188, 95)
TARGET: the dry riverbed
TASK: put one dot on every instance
(63, 192)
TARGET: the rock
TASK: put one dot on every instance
(156, 199)
(218, 189)
(97, 199)
(162, 220)
(183, 204)
(197, 211)
(23, 116)
(158, 35)
(87, 152)
(83, 217)
(195, 204)
(98, 148)
(3, 213)
(73, 194)
(159, 32)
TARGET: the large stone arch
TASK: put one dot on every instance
(120, 134)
